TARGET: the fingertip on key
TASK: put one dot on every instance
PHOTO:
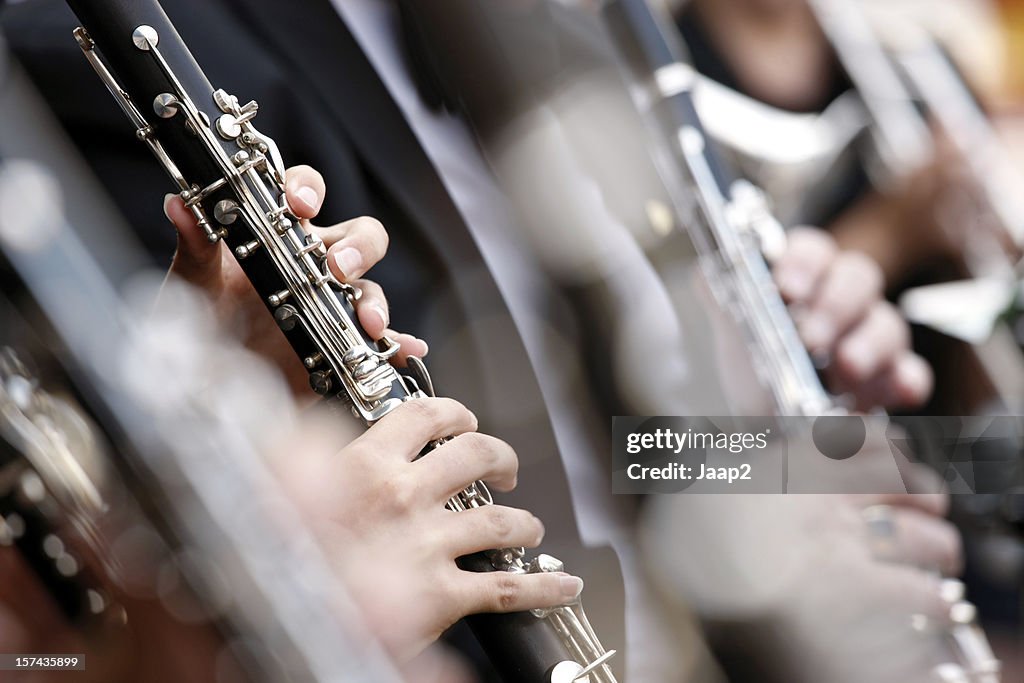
(349, 261)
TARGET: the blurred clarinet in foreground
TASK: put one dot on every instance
(734, 233)
(231, 178)
(195, 515)
(49, 500)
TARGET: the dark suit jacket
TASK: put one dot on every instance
(325, 106)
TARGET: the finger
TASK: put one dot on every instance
(903, 590)
(305, 190)
(196, 260)
(923, 541)
(847, 292)
(906, 383)
(372, 308)
(465, 459)
(410, 426)
(505, 592)
(911, 383)
(491, 526)
(935, 504)
(872, 345)
(809, 254)
(408, 345)
(354, 246)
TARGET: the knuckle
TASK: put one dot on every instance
(502, 523)
(424, 409)
(507, 592)
(398, 494)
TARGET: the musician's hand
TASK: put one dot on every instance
(380, 513)
(795, 588)
(353, 248)
(836, 297)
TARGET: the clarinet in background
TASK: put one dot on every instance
(231, 178)
(727, 218)
(734, 232)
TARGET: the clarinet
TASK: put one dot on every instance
(734, 232)
(231, 177)
(728, 218)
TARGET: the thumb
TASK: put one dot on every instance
(196, 260)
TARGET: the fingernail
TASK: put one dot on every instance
(349, 261)
(817, 332)
(381, 313)
(540, 535)
(167, 203)
(571, 586)
(423, 345)
(309, 197)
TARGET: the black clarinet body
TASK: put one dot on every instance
(111, 26)
(232, 179)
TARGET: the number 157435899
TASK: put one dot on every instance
(42, 662)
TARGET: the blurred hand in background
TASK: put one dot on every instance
(837, 301)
